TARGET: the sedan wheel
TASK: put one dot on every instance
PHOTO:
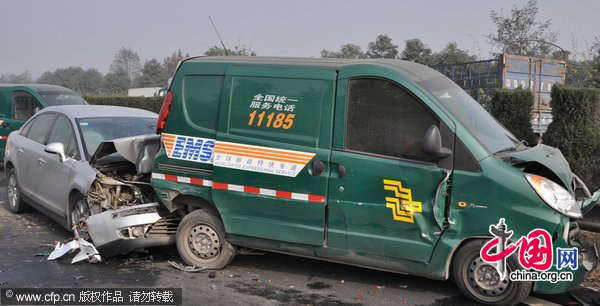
(13, 194)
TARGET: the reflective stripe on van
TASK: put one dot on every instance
(239, 188)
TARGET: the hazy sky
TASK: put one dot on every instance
(44, 35)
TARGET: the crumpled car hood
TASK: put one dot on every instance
(139, 150)
(549, 157)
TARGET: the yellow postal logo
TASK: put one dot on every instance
(402, 204)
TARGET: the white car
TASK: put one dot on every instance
(88, 167)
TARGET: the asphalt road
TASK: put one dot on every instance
(267, 279)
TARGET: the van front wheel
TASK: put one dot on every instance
(201, 241)
(481, 282)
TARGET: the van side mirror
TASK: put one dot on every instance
(56, 148)
(432, 144)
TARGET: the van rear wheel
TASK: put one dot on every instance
(481, 282)
(201, 241)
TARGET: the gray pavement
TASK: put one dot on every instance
(268, 279)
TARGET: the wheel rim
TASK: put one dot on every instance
(483, 280)
(204, 242)
(13, 191)
(80, 212)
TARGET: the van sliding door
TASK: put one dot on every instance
(272, 153)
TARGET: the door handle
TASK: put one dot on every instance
(341, 170)
(41, 160)
(20, 151)
(318, 167)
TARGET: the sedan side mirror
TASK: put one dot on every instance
(56, 148)
(432, 144)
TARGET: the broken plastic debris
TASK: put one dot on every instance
(87, 251)
(61, 249)
(186, 268)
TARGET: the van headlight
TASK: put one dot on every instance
(554, 195)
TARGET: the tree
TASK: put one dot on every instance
(170, 63)
(382, 47)
(153, 74)
(21, 78)
(515, 32)
(129, 61)
(451, 54)
(583, 68)
(91, 82)
(117, 81)
(346, 51)
(416, 51)
(237, 51)
(512, 108)
(75, 78)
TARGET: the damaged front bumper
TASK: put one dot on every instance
(590, 207)
(587, 261)
(118, 231)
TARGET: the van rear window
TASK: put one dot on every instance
(202, 96)
(278, 109)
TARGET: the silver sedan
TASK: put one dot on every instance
(88, 167)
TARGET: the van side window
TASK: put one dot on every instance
(24, 105)
(385, 119)
(40, 128)
(277, 109)
(202, 97)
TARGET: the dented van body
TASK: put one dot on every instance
(384, 164)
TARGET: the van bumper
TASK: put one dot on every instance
(587, 262)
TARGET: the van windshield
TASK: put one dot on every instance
(491, 134)
(54, 98)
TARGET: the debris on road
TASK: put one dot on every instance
(183, 268)
(246, 251)
(42, 253)
(87, 251)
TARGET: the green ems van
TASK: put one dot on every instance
(384, 164)
(19, 102)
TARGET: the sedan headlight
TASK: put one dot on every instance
(554, 195)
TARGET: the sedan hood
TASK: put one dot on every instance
(548, 157)
(139, 150)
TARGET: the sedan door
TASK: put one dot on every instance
(29, 152)
(54, 175)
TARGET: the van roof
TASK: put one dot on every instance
(411, 70)
(36, 87)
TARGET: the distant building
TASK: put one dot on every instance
(143, 92)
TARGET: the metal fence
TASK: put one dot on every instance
(478, 78)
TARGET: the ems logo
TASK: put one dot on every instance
(189, 148)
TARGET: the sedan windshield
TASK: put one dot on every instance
(96, 130)
(491, 134)
(54, 98)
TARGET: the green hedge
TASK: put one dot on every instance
(575, 130)
(512, 108)
(152, 104)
